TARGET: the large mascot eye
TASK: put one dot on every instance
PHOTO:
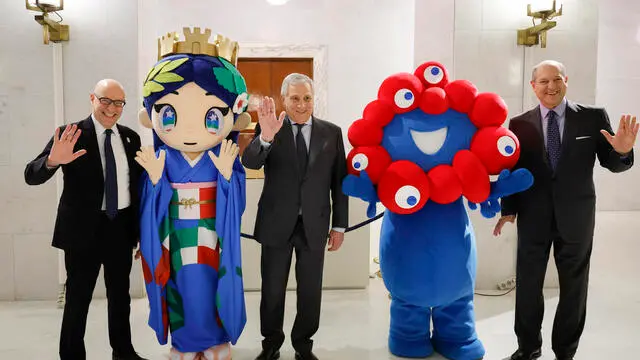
(360, 162)
(506, 146)
(214, 120)
(401, 93)
(407, 197)
(404, 98)
(373, 159)
(433, 74)
(167, 116)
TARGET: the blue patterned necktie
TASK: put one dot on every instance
(110, 177)
(553, 139)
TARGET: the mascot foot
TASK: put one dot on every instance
(472, 350)
(410, 348)
(218, 352)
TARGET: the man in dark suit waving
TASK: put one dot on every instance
(559, 141)
(304, 164)
(97, 222)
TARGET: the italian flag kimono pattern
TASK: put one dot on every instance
(190, 245)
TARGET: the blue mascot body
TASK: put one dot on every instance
(421, 147)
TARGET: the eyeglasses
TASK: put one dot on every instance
(106, 101)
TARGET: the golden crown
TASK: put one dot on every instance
(197, 43)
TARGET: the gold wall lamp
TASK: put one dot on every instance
(538, 33)
(51, 30)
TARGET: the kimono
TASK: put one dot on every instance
(190, 245)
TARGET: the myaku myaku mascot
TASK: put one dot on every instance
(421, 147)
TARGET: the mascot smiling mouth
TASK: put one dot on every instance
(429, 142)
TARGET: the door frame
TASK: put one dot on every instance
(320, 67)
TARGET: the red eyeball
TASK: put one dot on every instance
(489, 109)
(373, 159)
(364, 133)
(378, 113)
(445, 185)
(401, 92)
(461, 95)
(432, 74)
(404, 188)
(497, 147)
(434, 101)
(473, 176)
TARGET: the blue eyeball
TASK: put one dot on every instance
(404, 98)
(506, 146)
(433, 74)
(168, 117)
(407, 197)
(214, 120)
(360, 162)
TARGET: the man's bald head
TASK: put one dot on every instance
(109, 85)
(106, 99)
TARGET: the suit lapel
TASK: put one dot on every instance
(130, 152)
(93, 153)
(316, 143)
(570, 130)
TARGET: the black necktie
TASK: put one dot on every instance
(553, 139)
(301, 151)
(110, 178)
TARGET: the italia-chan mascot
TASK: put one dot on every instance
(420, 148)
(194, 195)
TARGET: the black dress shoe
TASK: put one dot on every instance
(306, 356)
(269, 354)
(564, 358)
(526, 355)
(133, 356)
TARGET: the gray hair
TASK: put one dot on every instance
(557, 64)
(292, 79)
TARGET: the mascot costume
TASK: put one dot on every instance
(194, 195)
(422, 146)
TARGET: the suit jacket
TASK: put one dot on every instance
(284, 194)
(80, 205)
(568, 195)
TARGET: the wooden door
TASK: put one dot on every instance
(264, 78)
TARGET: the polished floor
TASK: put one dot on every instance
(354, 323)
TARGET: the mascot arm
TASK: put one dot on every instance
(361, 187)
(507, 184)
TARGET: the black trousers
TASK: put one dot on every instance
(275, 265)
(110, 249)
(572, 258)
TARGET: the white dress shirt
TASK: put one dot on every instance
(560, 111)
(122, 167)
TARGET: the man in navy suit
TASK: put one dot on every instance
(559, 142)
(97, 222)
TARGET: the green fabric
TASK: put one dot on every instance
(176, 309)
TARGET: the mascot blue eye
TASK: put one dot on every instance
(167, 115)
(360, 162)
(214, 120)
(433, 74)
(407, 197)
(404, 98)
(506, 146)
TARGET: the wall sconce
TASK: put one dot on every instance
(538, 33)
(51, 30)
